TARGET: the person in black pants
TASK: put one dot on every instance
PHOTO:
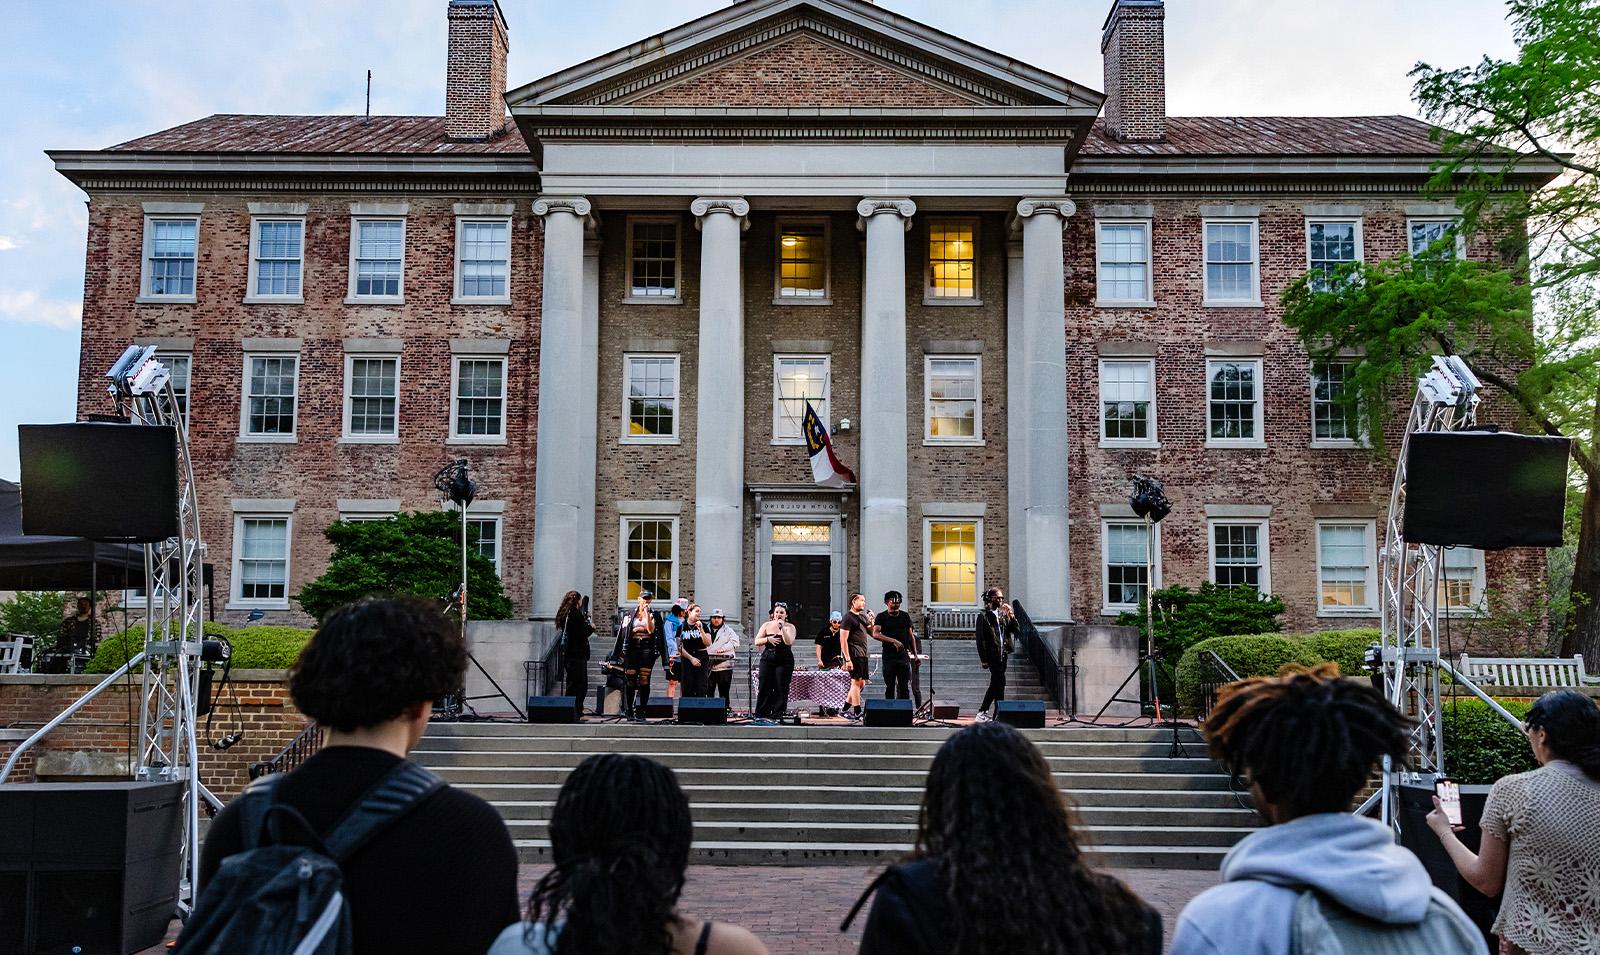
(997, 634)
(643, 644)
(893, 629)
(694, 663)
(572, 620)
(722, 646)
(776, 640)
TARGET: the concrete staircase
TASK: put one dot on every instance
(807, 795)
(959, 678)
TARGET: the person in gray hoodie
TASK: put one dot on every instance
(1308, 742)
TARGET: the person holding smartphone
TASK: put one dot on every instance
(775, 639)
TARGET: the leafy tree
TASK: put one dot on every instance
(1184, 617)
(415, 554)
(35, 613)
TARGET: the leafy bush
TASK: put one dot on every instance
(1479, 745)
(1248, 655)
(35, 613)
(1348, 648)
(254, 648)
(1185, 617)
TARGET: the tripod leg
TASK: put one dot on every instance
(1116, 696)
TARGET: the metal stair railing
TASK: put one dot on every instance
(1045, 662)
(301, 748)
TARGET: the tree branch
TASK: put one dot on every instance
(1523, 400)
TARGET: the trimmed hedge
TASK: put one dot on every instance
(254, 648)
(1348, 648)
(1479, 745)
(1250, 655)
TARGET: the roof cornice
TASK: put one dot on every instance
(83, 166)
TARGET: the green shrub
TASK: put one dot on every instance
(1348, 648)
(1479, 745)
(1248, 655)
(1185, 617)
(254, 648)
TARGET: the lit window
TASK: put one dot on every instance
(271, 387)
(952, 408)
(1437, 237)
(170, 253)
(1127, 557)
(1345, 567)
(1332, 421)
(1127, 401)
(952, 259)
(480, 398)
(1239, 554)
(1230, 275)
(649, 557)
(178, 368)
(483, 536)
(803, 261)
(1234, 405)
(650, 398)
(653, 259)
(954, 562)
(261, 561)
(278, 258)
(799, 379)
(379, 258)
(801, 533)
(1461, 579)
(1123, 269)
(1331, 246)
(371, 396)
(483, 259)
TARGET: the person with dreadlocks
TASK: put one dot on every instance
(1317, 879)
(620, 835)
(998, 867)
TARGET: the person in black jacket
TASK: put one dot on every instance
(998, 868)
(643, 644)
(572, 622)
(997, 634)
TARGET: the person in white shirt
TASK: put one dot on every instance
(723, 647)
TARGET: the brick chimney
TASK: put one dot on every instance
(1133, 43)
(475, 82)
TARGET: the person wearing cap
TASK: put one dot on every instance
(640, 633)
(893, 629)
(694, 662)
(723, 646)
(830, 649)
(776, 640)
(669, 635)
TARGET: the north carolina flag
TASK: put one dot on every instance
(825, 466)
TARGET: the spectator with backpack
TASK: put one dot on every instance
(359, 849)
(1317, 879)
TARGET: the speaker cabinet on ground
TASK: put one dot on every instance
(946, 711)
(88, 867)
(887, 713)
(1023, 714)
(708, 710)
(658, 708)
(552, 709)
(1485, 490)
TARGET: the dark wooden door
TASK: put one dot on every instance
(802, 581)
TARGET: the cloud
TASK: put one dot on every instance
(7, 243)
(30, 308)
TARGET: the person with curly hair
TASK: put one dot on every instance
(999, 867)
(575, 627)
(1317, 879)
(369, 677)
(620, 835)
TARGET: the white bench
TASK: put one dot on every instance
(11, 651)
(1542, 672)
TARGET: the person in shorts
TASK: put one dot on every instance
(857, 627)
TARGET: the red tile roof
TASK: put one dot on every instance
(227, 133)
(1276, 136)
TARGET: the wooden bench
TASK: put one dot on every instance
(1540, 672)
(11, 651)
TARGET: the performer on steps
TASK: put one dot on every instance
(830, 651)
(997, 636)
(724, 647)
(572, 620)
(694, 663)
(857, 630)
(644, 645)
(893, 630)
(776, 640)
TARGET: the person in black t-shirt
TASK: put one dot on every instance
(857, 629)
(830, 646)
(893, 629)
(572, 621)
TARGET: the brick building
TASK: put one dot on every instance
(1005, 291)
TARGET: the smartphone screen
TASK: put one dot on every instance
(1449, 793)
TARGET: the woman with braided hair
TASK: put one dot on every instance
(1317, 878)
(620, 835)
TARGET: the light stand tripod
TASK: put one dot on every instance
(925, 712)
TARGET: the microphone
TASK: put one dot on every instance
(229, 741)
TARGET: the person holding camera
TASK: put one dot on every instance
(575, 627)
(776, 640)
(893, 629)
(643, 644)
(997, 637)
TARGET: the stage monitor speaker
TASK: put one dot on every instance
(706, 710)
(106, 482)
(1485, 490)
(552, 709)
(1023, 714)
(658, 708)
(887, 713)
(946, 711)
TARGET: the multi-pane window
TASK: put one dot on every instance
(653, 259)
(952, 260)
(1345, 569)
(1461, 579)
(954, 570)
(178, 368)
(483, 535)
(480, 398)
(1123, 266)
(1434, 237)
(270, 388)
(170, 252)
(1233, 389)
(1127, 558)
(649, 557)
(1332, 420)
(1127, 401)
(379, 257)
(279, 257)
(953, 411)
(1239, 554)
(261, 560)
(802, 261)
(650, 398)
(483, 258)
(371, 396)
(1230, 246)
(1331, 246)
(799, 379)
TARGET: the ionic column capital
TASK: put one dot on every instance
(577, 205)
(712, 205)
(869, 207)
(1057, 205)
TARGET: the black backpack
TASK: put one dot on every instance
(275, 897)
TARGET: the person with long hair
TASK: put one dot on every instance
(693, 661)
(776, 640)
(1317, 878)
(575, 627)
(1539, 828)
(999, 867)
(643, 643)
(620, 835)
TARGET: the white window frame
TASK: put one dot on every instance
(145, 295)
(928, 298)
(236, 582)
(1360, 238)
(250, 295)
(927, 559)
(676, 298)
(1101, 301)
(1480, 584)
(245, 435)
(1212, 301)
(352, 297)
(350, 360)
(1370, 527)
(1357, 440)
(1107, 607)
(166, 358)
(1260, 440)
(676, 437)
(928, 438)
(1455, 221)
(1263, 546)
(1153, 440)
(778, 298)
(498, 520)
(824, 411)
(622, 551)
(456, 437)
(457, 297)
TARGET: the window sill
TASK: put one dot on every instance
(274, 300)
(634, 440)
(486, 439)
(1226, 303)
(803, 301)
(954, 442)
(1238, 445)
(1349, 612)
(952, 302)
(374, 299)
(362, 439)
(267, 439)
(164, 300)
(1118, 611)
(256, 605)
(489, 300)
(1106, 303)
(653, 300)
(1326, 445)
(788, 442)
(1130, 445)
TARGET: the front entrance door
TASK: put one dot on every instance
(802, 581)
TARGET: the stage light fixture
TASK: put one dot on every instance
(1149, 499)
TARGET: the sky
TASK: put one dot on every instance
(86, 75)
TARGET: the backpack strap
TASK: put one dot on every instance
(396, 794)
(254, 802)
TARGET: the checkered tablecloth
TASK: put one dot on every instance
(822, 687)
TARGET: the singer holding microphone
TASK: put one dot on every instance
(775, 639)
(572, 620)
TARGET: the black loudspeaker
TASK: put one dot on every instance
(887, 713)
(946, 711)
(89, 867)
(108, 482)
(658, 708)
(1485, 490)
(708, 710)
(552, 709)
(1023, 714)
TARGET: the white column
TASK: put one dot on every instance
(561, 508)
(588, 421)
(884, 427)
(1040, 397)
(719, 400)
(1015, 398)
